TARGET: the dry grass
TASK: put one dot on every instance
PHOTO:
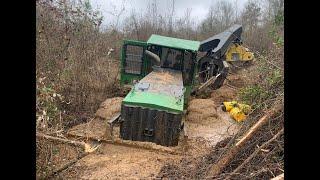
(72, 57)
(52, 155)
(267, 163)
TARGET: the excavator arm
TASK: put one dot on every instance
(216, 51)
(217, 45)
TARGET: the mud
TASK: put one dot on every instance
(206, 119)
(223, 94)
(119, 162)
(205, 123)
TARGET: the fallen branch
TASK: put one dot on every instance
(255, 153)
(262, 121)
(87, 149)
(232, 87)
(74, 143)
(217, 168)
(133, 144)
(257, 173)
(207, 83)
(85, 146)
(279, 177)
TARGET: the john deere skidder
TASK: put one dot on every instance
(163, 72)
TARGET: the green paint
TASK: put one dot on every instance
(127, 78)
(157, 100)
(134, 42)
(154, 101)
(187, 92)
(173, 42)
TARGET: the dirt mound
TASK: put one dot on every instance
(200, 110)
(223, 94)
(236, 81)
(95, 129)
(109, 107)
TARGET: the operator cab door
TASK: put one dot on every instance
(133, 61)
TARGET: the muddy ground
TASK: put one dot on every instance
(206, 126)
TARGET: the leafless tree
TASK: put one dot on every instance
(251, 15)
(171, 18)
(117, 14)
(219, 17)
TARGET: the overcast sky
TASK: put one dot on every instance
(199, 8)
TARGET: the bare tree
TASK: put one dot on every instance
(220, 17)
(251, 15)
(185, 25)
(171, 18)
(272, 9)
(117, 14)
(132, 25)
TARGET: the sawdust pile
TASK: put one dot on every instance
(223, 94)
(165, 76)
(109, 107)
(159, 77)
(201, 109)
(96, 128)
(119, 162)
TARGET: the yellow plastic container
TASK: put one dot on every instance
(237, 114)
(230, 105)
(237, 111)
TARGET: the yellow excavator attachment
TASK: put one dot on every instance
(237, 111)
(238, 52)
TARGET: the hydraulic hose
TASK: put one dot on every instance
(155, 57)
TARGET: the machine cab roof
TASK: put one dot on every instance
(181, 44)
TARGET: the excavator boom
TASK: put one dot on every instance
(220, 49)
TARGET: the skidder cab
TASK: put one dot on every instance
(164, 66)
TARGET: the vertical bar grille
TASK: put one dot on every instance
(144, 124)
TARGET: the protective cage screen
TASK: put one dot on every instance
(133, 62)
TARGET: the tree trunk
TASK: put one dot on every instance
(74, 143)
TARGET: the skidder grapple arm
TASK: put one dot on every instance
(218, 50)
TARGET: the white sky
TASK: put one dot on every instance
(199, 8)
